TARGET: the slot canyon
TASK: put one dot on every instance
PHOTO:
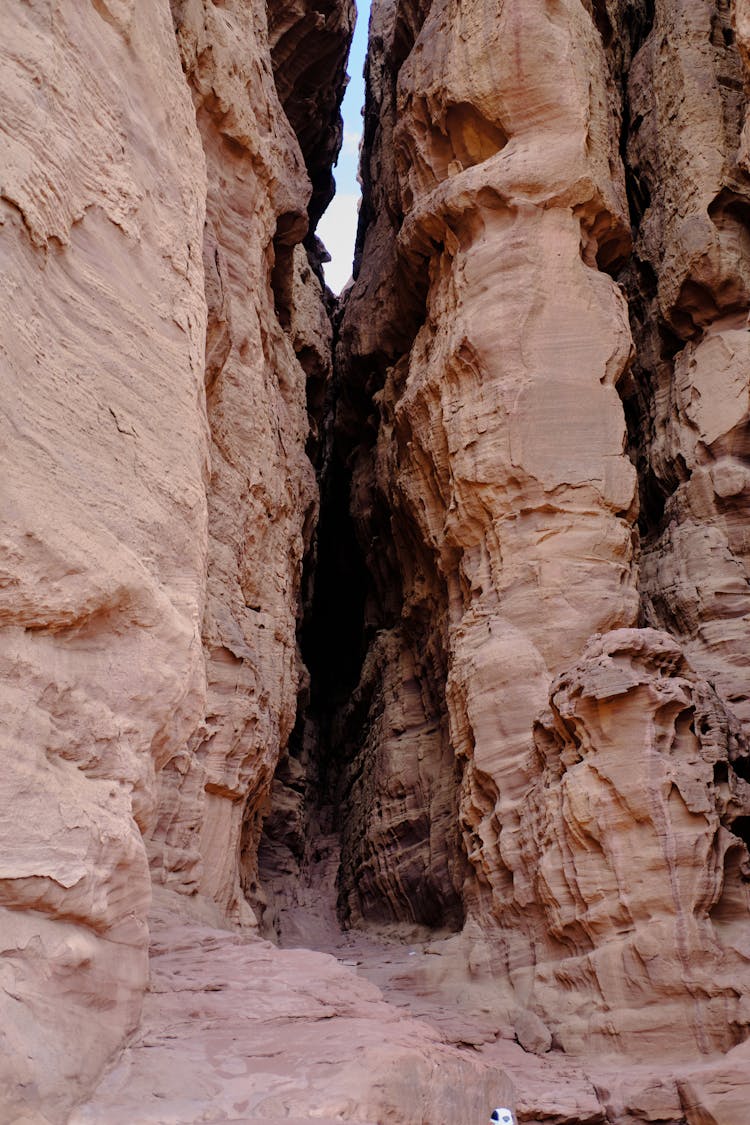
(374, 667)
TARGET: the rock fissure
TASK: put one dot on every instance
(409, 532)
(409, 628)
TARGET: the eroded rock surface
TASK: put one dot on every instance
(262, 494)
(635, 845)
(551, 268)
(309, 40)
(103, 543)
(157, 498)
(525, 605)
(240, 1030)
(688, 282)
(511, 546)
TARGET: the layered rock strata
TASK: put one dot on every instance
(156, 495)
(551, 270)
(635, 840)
(262, 492)
(527, 712)
(309, 40)
(687, 158)
(104, 538)
(498, 459)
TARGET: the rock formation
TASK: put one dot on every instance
(688, 284)
(104, 539)
(495, 500)
(551, 293)
(509, 548)
(250, 1032)
(634, 837)
(157, 498)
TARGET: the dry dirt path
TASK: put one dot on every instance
(362, 1029)
(235, 1029)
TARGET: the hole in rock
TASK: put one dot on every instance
(288, 230)
(730, 911)
(741, 767)
(684, 734)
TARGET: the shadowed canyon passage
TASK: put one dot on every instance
(422, 612)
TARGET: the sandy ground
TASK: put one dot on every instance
(336, 1026)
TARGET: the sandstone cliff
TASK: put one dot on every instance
(157, 499)
(497, 503)
(543, 410)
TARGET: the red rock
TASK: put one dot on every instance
(518, 762)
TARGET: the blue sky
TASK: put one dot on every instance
(338, 227)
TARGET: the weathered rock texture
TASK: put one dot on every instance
(544, 409)
(525, 608)
(634, 840)
(690, 292)
(236, 1030)
(308, 40)
(156, 496)
(105, 464)
(511, 544)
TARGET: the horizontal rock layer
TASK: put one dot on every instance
(156, 494)
(527, 712)
(542, 410)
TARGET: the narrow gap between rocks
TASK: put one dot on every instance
(338, 226)
(299, 852)
(316, 862)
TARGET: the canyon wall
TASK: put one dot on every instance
(157, 499)
(544, 407)
(523, 594)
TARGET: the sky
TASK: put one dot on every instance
(338, 227)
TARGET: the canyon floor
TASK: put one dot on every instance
(362, 1027)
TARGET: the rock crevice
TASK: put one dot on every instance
(427, 609)
(542, 405)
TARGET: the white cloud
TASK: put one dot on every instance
(350, 145)
(338, 230)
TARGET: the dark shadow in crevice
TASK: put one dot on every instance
(332, 640)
